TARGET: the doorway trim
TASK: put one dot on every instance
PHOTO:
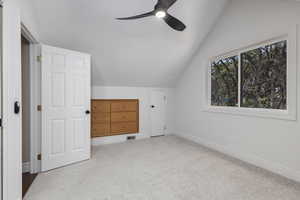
(34, 99)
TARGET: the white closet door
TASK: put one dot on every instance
(158, 113)
(66, 96)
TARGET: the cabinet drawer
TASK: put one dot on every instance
(100, 130)
(124, 117)
(100, 118)
(101, 106)
(121, 128)
(124, 106)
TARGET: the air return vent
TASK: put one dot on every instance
(131, 138)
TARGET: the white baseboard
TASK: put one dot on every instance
(276, 168)
(116, 139)
(25, 167)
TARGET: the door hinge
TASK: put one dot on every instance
(39, 58)
(39, 107)
(0, 122)
(39, 156)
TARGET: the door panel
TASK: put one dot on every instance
(58, 89)
(65, 99)
(78, 84)
(58, 134)
(79, 127)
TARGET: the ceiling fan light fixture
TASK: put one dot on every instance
(160, 14)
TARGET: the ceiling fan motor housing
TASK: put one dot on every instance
(160, 11)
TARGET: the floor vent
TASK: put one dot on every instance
(157, 136)
(131, 138)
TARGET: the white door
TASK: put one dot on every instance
(66, 94)
(158, 113)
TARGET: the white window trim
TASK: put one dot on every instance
(291, 112)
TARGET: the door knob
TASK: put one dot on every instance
(87, 112)
(152, 106)
(17, 107)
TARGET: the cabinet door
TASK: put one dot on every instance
(123, 128)
(99, 106)
(123, 117)
(100, 118)
(101, 130)
(123, 106)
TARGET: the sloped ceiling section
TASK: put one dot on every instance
(144, 52)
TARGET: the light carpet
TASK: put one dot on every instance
(165, 168)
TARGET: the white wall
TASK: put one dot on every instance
(29, 17)
(12, 159)
(12, 168)
(269, 143)
(143, 94)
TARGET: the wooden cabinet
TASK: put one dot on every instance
(115, 117)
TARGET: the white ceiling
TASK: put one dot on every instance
(143, 52)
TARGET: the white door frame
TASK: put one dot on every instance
(35, 115)
(1, 100)
(12, 169)
(35, 141)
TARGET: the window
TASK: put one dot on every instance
(251, 78)
(263, 77)
(224, 82)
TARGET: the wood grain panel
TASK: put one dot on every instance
(124, 106)
(101, 118)
(101, 130)
(123, 117)
(123, 128)
(99, 106)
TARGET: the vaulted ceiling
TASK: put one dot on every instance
(144, 52)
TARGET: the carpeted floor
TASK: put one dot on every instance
(165, 168)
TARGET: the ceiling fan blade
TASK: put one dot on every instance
(148, 14)
(174, 23)
(166, 4)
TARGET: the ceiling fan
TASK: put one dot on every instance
(161, 11)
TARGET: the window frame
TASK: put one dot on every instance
(291, 112)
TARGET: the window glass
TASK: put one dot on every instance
(264, 77)
(224, 82)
